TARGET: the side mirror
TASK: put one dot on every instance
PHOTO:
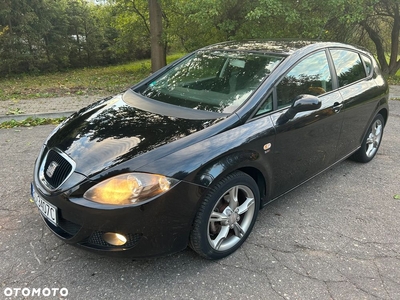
(300, 103)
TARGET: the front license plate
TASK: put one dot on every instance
(48, 210)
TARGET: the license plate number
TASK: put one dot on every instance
(48, 210)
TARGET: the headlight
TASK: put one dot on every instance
(129, 188)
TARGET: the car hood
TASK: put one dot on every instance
(111, 131)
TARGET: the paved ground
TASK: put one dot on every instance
(336, 237)
(43, 107)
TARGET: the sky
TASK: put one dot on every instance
(98, 1)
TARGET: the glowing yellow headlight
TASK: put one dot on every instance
(129, 188)
(164, 183)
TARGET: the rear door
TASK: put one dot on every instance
(360, 94)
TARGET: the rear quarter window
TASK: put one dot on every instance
(349, 66)
(368, 64)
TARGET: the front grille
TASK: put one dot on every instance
(55, 169)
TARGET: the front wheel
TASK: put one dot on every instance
(371, 142)
(226, 216)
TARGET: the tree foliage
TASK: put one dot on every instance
(382, 24)
(49, 35)
(371, 23)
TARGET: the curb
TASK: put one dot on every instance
(54, 115)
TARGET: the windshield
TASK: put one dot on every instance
(217, 81)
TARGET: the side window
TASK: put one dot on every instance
(266, 106)
(310, 76)
(367, 63)
(349, 67)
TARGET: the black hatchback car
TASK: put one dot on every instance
(189, 155)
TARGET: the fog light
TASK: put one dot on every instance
(115, 239)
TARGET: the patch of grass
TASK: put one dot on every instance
(87, 81)
(395, 79)
(15, 111)
(30, 122)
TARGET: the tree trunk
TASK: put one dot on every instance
(158, 53)
(394, 63)
(380, 51)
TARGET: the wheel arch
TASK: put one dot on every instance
(385, 114)
(244, 161)
(260, 180)
(381, 109)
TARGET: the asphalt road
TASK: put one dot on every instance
(336, 237)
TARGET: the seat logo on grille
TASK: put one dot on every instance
(51, 169)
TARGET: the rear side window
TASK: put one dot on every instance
(349, 67)
(368, 64)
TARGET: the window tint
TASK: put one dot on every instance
(368, 64)
(349, 67)
(310, 76)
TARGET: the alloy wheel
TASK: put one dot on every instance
(231, 218)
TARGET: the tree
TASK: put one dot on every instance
(382, 25)
(158, 53)
(85, 33)
(142, 30)
(131, 23)
(198, 23)
(372, 23)
(33, 35)
(40, 35)
(356, 21)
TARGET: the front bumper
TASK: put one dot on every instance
(159, 227)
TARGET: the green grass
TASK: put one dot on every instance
(394, 80)
(88, 81)
(30, 122)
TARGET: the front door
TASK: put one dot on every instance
(306, 144)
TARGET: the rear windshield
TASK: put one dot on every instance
(217, 81)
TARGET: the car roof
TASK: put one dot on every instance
(283, 47)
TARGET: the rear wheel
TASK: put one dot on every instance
(371, 142)
(226, 216)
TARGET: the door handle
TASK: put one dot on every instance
(337, 107)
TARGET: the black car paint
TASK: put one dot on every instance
(158, 224)
(199, 153)
(113, 132)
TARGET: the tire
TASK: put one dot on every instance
(371, 142)
(226, 216)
